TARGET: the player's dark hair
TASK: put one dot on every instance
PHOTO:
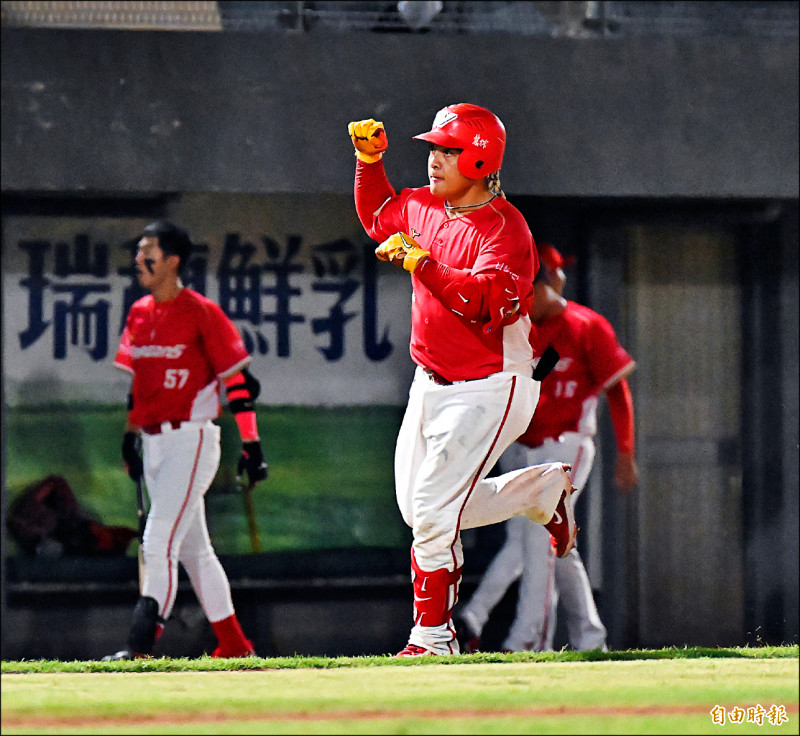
(493, 180)
(172, 239)
(543, 275)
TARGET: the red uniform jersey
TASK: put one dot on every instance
(591, 360)
(494, 237)
(177, 351)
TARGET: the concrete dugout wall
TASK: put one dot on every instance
(650, 116)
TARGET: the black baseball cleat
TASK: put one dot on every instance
(121, 654)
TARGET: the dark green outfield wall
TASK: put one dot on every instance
(330, 486)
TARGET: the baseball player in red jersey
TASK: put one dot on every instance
(472, 261)
(178, 347)
(563, 430)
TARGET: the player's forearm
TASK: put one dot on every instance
(456, 288)
(473, 297)
(371, 190)
(248, 426)
(620, 408)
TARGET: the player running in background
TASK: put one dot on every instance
(179, 346)
(472, 261)
(562, 430)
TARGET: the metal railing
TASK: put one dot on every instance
(573, 19)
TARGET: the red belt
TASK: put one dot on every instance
(156, 428)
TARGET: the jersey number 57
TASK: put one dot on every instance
(175, 377)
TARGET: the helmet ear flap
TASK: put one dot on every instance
(477, 163)
(472, 165)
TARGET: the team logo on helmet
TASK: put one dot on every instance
(479, 142)
(443, 117)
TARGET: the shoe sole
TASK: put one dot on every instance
(404, 653)
(571, 541)
(565, 501)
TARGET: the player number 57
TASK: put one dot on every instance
(175, 377)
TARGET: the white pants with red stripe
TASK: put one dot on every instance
(450, 438)
(544, 579)
(179, 466)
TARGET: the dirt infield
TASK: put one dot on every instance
(47, 722)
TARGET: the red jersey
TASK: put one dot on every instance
(591, 360)
(494, 237)
(177, 351)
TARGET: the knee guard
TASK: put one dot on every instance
(144, 623)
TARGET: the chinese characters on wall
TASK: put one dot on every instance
(256, 287)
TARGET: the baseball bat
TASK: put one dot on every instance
(546, 363)
(142, 514)
(255, 537)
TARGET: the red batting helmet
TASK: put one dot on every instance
(549, 255)
(475, 130)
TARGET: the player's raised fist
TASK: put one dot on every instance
(369, 139)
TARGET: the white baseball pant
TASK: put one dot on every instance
(527, 554)
(450, 438)
(179, 466)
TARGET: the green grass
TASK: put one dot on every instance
(639, 691)
(330, 485)
(208, 664)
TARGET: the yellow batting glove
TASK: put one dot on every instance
(402, 250)
(392, 251)
(369, 139)
(414, 253)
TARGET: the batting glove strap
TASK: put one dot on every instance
(252, 460)
(368, 159)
